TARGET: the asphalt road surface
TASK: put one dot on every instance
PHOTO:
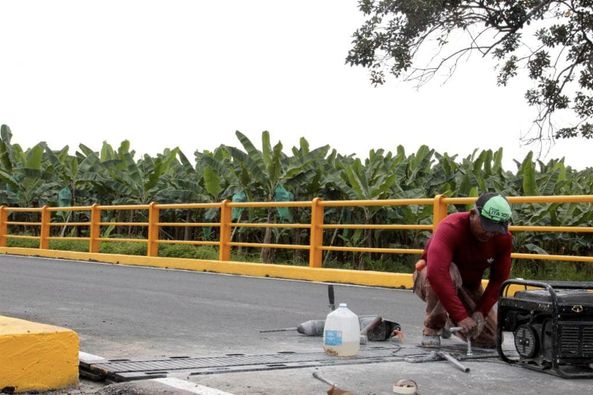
(137, 312)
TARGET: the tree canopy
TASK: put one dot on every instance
(550, 41)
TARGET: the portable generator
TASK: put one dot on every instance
(551, 324)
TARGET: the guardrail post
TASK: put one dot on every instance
(439, 211)
(224, 249)
(95, 229)
(3, 225)
(44, 230)
(316, 237)
(153, 230)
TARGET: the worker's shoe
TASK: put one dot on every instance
(431, 341)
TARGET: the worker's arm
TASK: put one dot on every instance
(439, 258)
(499, 272)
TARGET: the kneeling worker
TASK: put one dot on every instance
(449, 274)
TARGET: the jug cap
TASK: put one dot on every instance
(343, 305)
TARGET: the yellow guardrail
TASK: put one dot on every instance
(225, 243)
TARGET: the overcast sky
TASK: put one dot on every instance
(189, 73)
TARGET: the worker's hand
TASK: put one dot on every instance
(421, 264)
(469, 325)
(398, 334)
(480, 322)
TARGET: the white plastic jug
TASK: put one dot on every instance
(341, 334)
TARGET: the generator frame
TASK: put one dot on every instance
(560, 365)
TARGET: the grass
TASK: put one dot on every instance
(551, 270)
(533, 270)
(188, 251)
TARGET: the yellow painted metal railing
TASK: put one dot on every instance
(317, 226)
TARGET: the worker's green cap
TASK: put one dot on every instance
(495, 212)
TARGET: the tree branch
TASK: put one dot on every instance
(516, 28)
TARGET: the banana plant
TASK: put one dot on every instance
(22, 174)
(308, 184)
(74, 174)
(266, 169)
(370, 181)
(131, 181)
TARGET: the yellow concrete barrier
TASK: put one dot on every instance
(370, 278)
(345, 276)
(36, 357)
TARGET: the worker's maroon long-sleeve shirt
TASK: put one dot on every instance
(453, 242)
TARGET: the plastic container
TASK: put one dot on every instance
(341, 334)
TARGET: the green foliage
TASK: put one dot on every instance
(123, 248)
(23, 243)
(35, 177)
(551, 270)
(188, 251)
(549, 40)
(69, 245)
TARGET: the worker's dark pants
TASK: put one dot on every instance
(436, 317)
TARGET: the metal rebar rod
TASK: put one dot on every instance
(279, 330)
(454, 361)
(320, 378)
(468, 340)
